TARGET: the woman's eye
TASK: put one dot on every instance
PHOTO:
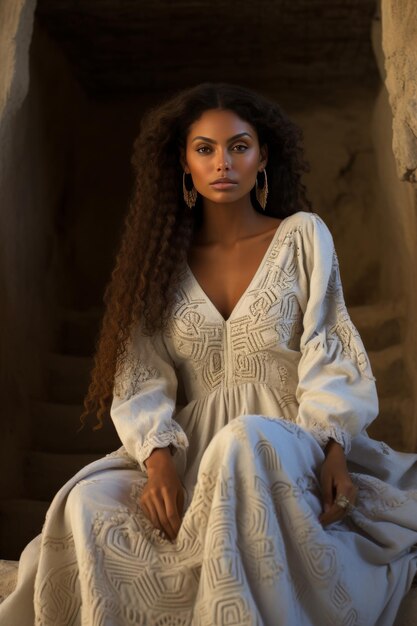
(240, 147)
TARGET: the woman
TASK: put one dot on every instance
(246, 490)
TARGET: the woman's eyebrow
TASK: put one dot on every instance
(231, 138)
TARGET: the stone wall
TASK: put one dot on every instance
(35, 147)
(399, 37)
(18, 310)
(396, 149)
(342, 184)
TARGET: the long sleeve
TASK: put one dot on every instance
(336, 389)
(144, 399)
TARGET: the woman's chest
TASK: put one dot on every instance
(266, 318)
(225, 273)
(225, 278)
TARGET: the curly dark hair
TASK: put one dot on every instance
(159, 226)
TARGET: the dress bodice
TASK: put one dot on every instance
(258, 343)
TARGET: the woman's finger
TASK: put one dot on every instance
(151, 513)
(160, 507)
(144, 506)
(338, 511)
(173, 515)
(327, 492)
(348, 491)
(334, 514)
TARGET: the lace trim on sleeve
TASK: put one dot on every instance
(163, 439)
(323, 432)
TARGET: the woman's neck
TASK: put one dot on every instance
(227, 223)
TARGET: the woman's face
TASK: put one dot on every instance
(222, 145)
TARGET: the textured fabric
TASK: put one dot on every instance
(247, 404)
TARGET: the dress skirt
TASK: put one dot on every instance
(250, 549)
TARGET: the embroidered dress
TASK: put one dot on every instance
(248, 404)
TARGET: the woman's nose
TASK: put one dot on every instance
(223, 164)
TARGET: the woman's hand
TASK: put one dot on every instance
(162, 499)
(335, 481)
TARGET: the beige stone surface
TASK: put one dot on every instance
(16, 18)
(396, 202)
(399, 42)
(8, 578)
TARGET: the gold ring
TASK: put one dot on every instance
(343, 502)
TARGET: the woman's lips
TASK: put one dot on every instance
(224, 185)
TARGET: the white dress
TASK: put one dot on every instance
(263, 392)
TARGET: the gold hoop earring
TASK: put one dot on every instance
(262, 192)
(190, 196)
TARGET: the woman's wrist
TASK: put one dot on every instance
(157, 458)
(333, 446)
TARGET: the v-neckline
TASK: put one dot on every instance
(254, 277)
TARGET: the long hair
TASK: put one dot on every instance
(159, 226)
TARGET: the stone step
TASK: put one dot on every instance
(46, 472)
(389, 370)
(20, 521)
(8, 578)
(55, 428)
(78, 331)
(391, 424)
(68, 378)
(380, 325)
